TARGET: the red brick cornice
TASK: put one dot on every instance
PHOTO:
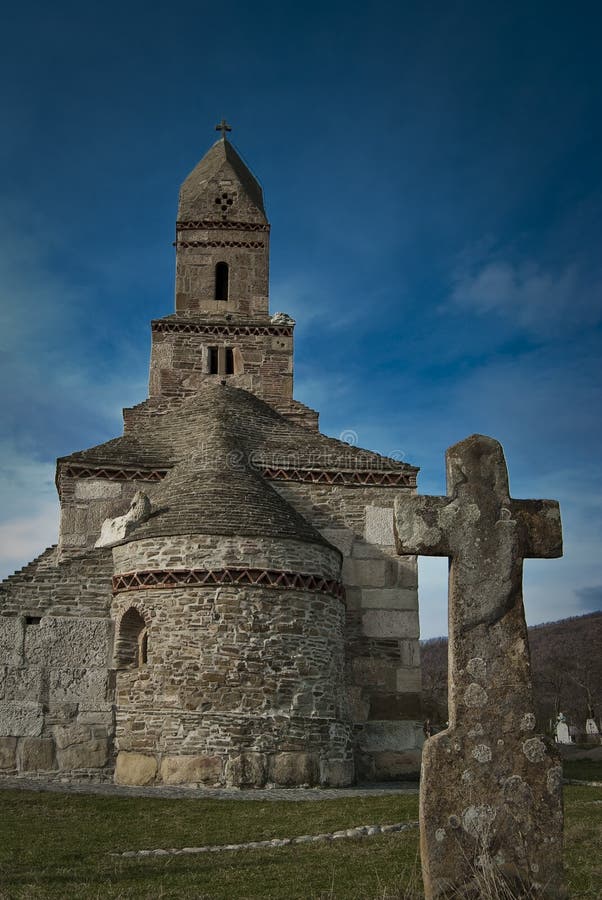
(112, 473)
(366, 477)
(251, 245)
(377, 477)
(171, 326)
(153, 579)
(221, 225)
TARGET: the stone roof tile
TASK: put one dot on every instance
(162, 432)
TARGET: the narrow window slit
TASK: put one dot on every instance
(221, 281)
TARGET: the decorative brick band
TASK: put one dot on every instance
(166, 326)
(269, 578)
(253, 245)
(221, 224)
(274, 473)
(320, 476)
(114, 474)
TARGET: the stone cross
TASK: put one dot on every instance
(491, 789)
(223, 127)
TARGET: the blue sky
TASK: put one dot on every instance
(432, 176)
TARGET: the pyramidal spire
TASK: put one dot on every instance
(221, 186)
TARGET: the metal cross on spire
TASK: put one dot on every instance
(224, 128)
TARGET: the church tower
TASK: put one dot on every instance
(222, 327)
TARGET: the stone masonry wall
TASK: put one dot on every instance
(382, 627)
(56, 715)
(263, 364)
(56, 693)
(221, 551)
(247, 255)
(86, 503)
(241, 687)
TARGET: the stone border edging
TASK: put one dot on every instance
(358, 832)
(597, 784)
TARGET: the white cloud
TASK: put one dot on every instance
(538, 301)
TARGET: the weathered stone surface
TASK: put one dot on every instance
(389, 736)
(341, 538)
(67, 735)
(290, 769)
(8, 752)
(247, 770)
(390, 623)
(379, 525)
(369, 573)
(97, 489)
(337, 773)
(389, 765)
(389, 598)
(191, 769)
(490, 791)
(21, 718)
(408, 680)
(11, 639)
(21, 683)
(135, 768)
(36, 754)
(64, 643)
(92, 754)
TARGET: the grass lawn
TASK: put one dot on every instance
(59, 845)
(583, 769)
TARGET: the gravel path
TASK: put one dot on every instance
(167, 792)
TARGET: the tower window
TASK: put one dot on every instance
(220, 361)
(221, 281)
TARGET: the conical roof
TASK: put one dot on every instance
(221, 170)
(216, 489)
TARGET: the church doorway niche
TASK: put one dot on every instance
(221, 281)
(131, 646)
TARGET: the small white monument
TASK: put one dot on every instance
(562, 730)
(591, 729)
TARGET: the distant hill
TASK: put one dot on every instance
(566, 661)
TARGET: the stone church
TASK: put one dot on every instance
(224, 605)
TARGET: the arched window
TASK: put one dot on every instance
(221, 281)
(131, 646)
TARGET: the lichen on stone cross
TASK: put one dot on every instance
(491, 788)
